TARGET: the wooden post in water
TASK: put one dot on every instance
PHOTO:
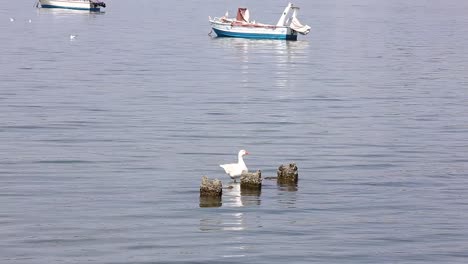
(288, 174)
(210, 192)
(211, 188)
(251, 180)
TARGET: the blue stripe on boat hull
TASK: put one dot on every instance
(222, 33)
(72, 8)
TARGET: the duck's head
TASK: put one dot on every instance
(243, 152)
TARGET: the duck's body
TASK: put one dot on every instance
(235, 170)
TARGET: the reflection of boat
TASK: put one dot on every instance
(259, 46)
(282, 53)
(242, 27)
(91, 5)
(65, 13)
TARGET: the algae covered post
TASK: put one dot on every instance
(288, 174)
(211, 188)
(251, 180)
(210, 192)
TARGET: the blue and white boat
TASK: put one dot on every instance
(288, 26)
(91, 5)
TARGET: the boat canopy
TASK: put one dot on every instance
(243, 14)
(297, 26)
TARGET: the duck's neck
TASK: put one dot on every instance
(241, 161)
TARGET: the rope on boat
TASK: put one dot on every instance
(211, 31)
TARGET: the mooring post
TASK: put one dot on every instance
(210, 192)
(211, 188)
(251, 180)
(288, 174)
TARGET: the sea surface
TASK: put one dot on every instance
(104, 138)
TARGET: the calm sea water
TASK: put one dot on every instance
(104, 139)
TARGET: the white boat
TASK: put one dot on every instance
(91, 5)
(288, 26)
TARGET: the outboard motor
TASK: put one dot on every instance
(97, 3)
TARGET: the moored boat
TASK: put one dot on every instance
(241, 26)
(91, 5)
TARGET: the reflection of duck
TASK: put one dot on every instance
(217, 222)
(235, 223)
(232, 196)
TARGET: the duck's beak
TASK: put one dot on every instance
(247, 153)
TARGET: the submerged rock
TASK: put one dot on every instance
(211, 188)
(288, 173)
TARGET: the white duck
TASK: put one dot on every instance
(234, 170)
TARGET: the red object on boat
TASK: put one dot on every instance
(242, 14)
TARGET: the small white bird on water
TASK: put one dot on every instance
(234, 170)
(12, 19)
(72, 37)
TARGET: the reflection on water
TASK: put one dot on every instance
(211, 224)
(287, 194)
(223, 222)
(238, 197)
(232, 196)
(59, 12)
(234, 222)
(289, 187)
(251, 196)
(210, 201)
(283, 57)
(284, 51)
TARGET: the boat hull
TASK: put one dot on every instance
(253, 32)
(70, 4)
